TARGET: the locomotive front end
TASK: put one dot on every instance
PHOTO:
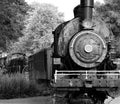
(82, 64)
(87, 49)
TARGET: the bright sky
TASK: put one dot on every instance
(65, 6)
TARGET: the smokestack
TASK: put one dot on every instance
(87, 6)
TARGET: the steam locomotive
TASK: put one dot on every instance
(83, 59)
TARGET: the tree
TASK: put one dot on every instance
(42, 19)
(110, 13)
(11, 20)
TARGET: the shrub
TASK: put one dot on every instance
(16, 85)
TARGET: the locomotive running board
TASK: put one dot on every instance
(86, 78)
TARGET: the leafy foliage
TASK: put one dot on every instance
(110, 13)
(42, 19)
(11, 20)
(17, 86)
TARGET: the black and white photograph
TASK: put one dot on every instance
(59, 51)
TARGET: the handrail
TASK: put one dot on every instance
(86, 73)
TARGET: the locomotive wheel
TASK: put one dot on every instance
(59, 100)
(81, 100)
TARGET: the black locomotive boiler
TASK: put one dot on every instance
(83, 54)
